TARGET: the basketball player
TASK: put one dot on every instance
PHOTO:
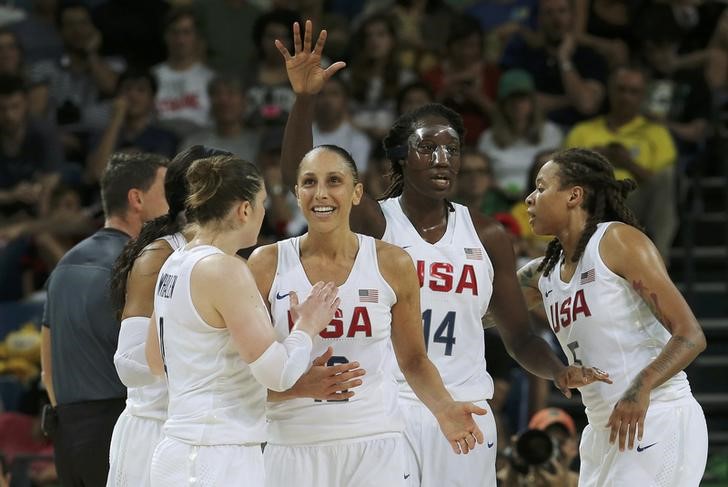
(461, 258)
(357, 442)
(611, 303)
(139, 428)
(212, 337)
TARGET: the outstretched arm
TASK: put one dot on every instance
(455, 418)
(522, 342)
(631, 255)
(307, 77)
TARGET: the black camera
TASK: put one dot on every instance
(532, 448)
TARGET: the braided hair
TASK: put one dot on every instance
(604, 197)
(175, 190)
(396, 144)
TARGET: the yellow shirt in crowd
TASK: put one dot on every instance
(650, 143)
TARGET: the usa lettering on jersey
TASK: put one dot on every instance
(441, 277)
(563, 314)
(359, 325)
(166, 285)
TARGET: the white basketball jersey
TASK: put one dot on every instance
(150, 401)
(360, 332)
(213, 397)
(600, 321)
(456, 283)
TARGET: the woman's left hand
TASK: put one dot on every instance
(575, 376)
(459, 427)
(628, 416)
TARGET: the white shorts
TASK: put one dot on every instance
(132, 446)
(429, 457)
(672, 452)
(355, 463)
(177, 464)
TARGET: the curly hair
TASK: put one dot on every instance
(604, 197)
(395, 142)
(176, 191)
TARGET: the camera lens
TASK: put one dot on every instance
(535, 447)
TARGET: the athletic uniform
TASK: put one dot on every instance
(216, 420)
(456, 282)
(139, 428)
(358, 441)
(600, 321)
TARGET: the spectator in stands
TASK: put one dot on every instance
(332, 125)
(183, 104)
(80, 330)
(422, 27)
(269, 96)
(38, 33)
(375, 74)
(30, 152)
(132, 126)
(413, 95)
(569, 77)
(463, 80)
(227, 26)
(229, 133)
(607, 26)
(476, 187)
(519, 131)
(638, 148)
(677, 97)
(71, 90)
(11, 55)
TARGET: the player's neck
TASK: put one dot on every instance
(570, 236)
(330, 245)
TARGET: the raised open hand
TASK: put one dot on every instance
(305, 73)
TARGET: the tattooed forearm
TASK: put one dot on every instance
(653, 302)
(677, 354)
(632, 393)
(527, 275)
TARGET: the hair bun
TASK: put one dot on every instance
(205, 178)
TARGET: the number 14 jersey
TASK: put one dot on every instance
(456, 284)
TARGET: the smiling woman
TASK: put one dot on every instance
(365, 425)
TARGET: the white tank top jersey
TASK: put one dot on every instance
(150, 401)
(213, 397)
(600, 321)
(456, 284)
(360, 331)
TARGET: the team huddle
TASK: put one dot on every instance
(314, 346)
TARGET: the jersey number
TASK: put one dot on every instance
(445, 333)
(572, 348)
(161, 342)
(336, 360)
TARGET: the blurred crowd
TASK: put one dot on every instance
(645, 82)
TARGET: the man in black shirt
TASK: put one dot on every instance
(570, 78)
(80, 331)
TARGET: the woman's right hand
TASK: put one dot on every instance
(314, 315)
(305, 73)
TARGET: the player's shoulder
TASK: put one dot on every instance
(152, 257)
(490, 231)
(390, 254)
(265, 256)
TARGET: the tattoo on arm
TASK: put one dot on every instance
(631, 394)
(652, 301)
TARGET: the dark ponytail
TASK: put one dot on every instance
(176, 192)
